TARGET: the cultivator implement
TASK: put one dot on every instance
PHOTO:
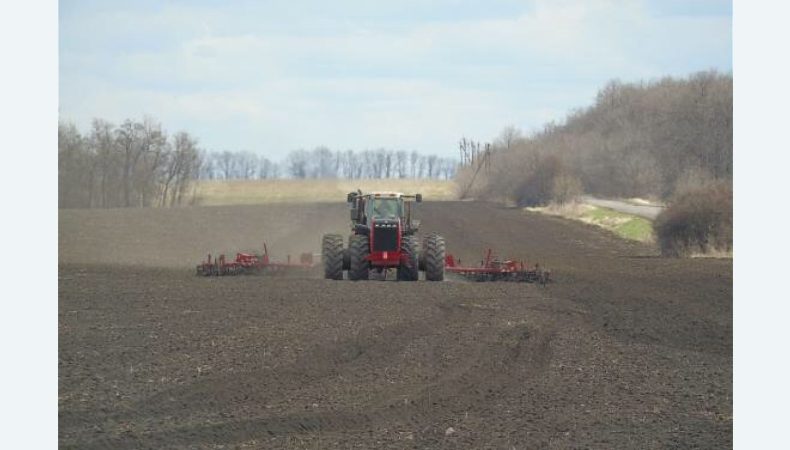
(249, 263)
(492, 268)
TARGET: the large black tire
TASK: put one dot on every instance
(410, 271)
(347, 254)
(332, 255)
(434, 251)
(358, 264)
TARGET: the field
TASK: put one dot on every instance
(240, 192)
(624, 349)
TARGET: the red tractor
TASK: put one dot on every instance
(383, 237)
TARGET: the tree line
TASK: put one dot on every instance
(132, 164)
(636, 140)
(138, 164)
(322, 162)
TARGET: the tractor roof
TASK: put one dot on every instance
(384, 194)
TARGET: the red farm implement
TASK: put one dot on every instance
(492, 268)
(249, 263)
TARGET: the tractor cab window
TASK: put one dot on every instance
(384, 208)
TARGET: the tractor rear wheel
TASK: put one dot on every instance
(347, 254)
(332, 254)
(358, 264)
(434, 257)
(410, 271)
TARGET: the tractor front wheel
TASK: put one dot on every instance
(410, 271)
(358, 264)
(332, 254)
(434, 257)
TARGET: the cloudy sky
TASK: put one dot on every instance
(358, 74)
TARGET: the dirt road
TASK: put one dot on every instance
(624, 350)
(646, 211)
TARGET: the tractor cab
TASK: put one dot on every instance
(390, 207)
(384, 208)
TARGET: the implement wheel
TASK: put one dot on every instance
(332, 255)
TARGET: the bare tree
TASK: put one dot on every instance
(130, 146)
(431, 162)
(322, 163)
(208, 167)
(227, 164)
(182, 163)
(509, 135)
(357, 164)
(103, 144)
(266, 169)
(414, 157)
(297, 163)
(154, 148)
(73, 162)
(247, 164)
(387, 163)
(348, 164)
(369, 164)
(400, 163)
(422, 163)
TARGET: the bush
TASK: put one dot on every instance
(548, 180)
(567, 188)
(536, 187)
(697, 220)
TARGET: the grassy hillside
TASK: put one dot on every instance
(239, 192)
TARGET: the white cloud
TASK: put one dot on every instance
(241, 83)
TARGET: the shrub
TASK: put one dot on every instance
(566, 189)
(536, 187)
(697, 220)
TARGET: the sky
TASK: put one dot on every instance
(270, 77)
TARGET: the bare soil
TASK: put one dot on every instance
(624, 350)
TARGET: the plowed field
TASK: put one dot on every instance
(623, 350)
